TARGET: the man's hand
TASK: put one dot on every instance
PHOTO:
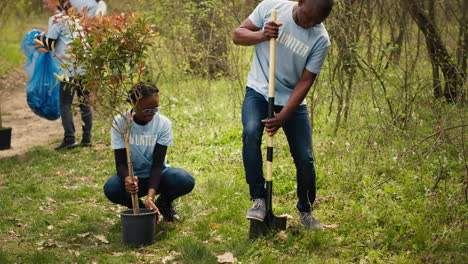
(131, 186)
(273, 124)
(271, 30)
(149, 203)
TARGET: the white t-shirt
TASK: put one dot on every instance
(142, 141)
(297, 49)
(80, 4)
(59, 28)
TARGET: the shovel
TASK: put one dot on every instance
(271, 222)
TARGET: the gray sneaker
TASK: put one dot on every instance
(309, 222)
(258, 210)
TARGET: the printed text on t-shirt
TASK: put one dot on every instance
(143, 140)
(293, 44)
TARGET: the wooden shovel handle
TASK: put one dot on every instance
(271, 77)
(271, 98)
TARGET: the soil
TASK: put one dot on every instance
(28, 129)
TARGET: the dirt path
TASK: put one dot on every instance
(29, 130)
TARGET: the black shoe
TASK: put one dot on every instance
(86, 140)
(65, 145)
(86, 143)
(167, 210)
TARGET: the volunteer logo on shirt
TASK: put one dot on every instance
(143, 140)
(293, 44)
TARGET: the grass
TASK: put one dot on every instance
(11, 35)
(392, 197)
(54, 207)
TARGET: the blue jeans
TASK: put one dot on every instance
(67, 91)
(299, 135)
(174, 183)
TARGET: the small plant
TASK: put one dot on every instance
(112, 51)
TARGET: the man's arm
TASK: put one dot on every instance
(299, 93)
(248, 34)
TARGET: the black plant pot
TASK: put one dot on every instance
(5, 138)
(138, 230)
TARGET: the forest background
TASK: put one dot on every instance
(389, 117)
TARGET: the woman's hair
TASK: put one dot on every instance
(141, 90)
(64, 5)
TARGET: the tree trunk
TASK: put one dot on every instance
(135, 204)
(436, 84)
(437, 51)
(462, 51)
(209, 51)
(398, 41)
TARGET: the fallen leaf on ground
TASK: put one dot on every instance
(102, 238)
(48, 244)
(286, 215)
(50, 200)
(226, 257)
(21, 225)
(283, 235)
(74, 252)
(169, 258)
(330, 226)
(84, 234)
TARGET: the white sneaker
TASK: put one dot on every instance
(309, 222)
(258, 210)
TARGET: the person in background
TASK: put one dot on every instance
(58, 36)
(150, 136)
(93, 6)
(302, 45)
(102, 7)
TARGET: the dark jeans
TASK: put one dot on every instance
(299, 135)
(67, 91)
(174, 183)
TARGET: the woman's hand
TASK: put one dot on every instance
(131, 185)
(149, 203)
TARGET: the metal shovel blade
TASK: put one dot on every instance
(270, 223)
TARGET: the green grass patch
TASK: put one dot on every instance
(379, 197)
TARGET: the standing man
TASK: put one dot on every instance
(302, 45)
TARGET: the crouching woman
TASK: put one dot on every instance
(151, 134)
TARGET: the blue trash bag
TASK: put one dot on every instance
(43, 89)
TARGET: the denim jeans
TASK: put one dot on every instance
(299, 135)
(174, 183)
(67, 91)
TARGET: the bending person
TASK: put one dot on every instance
(302, 46)
(151, 134)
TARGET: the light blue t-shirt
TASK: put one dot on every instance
(297, 49)
(142, 141)
(59, 28)
(80, 4)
